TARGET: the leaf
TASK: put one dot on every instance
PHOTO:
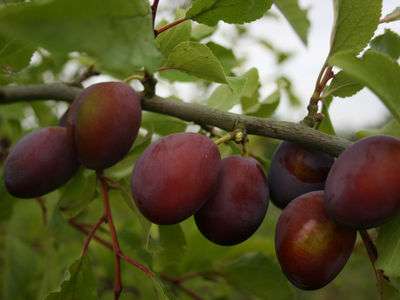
(393, 16)
(388, 245)
(14, 54)
(258, 275)
(168, 39)
(201, 31)
(343, 86)
(296, 16)
(388, 43)
(285, 85)
(44, 114)
(173, 246)
(78, 193)
(266, 108)
(391, 128)
(196, 59)
(225, 56)
(377, 72)
(80, 284)
(355, 24)
(209, 12)
(117, 34)
(326, 124)
(6, 201)
(162, 124)
(225, 97)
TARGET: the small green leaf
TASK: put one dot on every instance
(388, 43)
(326, 124)
(377, 72)
(296, 16)
(201, 31)
(173, 246)
(168, 39)
(225, 56)
(14, 54)
(388, 245)
(343, 86)
(79, 284)
(393, 16)
(391, 128)
(209, 12)
(355, 24)
(196, 59)
(257, 275)
(162, 124)
(44, 114)
(78, 193)
(266, 108)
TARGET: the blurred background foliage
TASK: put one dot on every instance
(37, 248)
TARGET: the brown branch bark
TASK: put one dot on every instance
(192, 112)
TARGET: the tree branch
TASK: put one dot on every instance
(192, 112)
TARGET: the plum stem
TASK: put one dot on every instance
(91, 234)
(313, 118)
(373, 256)
(169, 26)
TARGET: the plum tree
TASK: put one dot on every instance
(40, 162)
(106, 119)
(239, 205)
(363, 186)
(295, 171)
(310, 247)
(175, 176)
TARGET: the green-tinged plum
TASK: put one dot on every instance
(175, 176)
(239, 204)
(40, 162)
(311, 248)
(363, 186)
(105, 119)
(295, 171)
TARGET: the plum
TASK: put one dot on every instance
(105, 119)
(175, 176)
(40, 162)
(295, 171)
(363, 187)
(311, 248)
(239, 204)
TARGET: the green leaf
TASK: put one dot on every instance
(201, 31)
(196, 59)
(266, 108)
(173, 246)
(256, 274)
(44, 114)
(296, 16)
(209, 12)
(162, 124)
(225, 56)
(391, 128)
(117, 34)
(14, 54)
(79, 284)
(388, 245)
(326, 124)
(168, 39)
(78, 193)
(225, 97)
(355, 24)
(376, 71)
(388, 43)
(6, 201)
(343, 86)
(285, 85)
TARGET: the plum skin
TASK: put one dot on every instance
(40, 162)
(175, 176)
(295, 171)
(105, 119)
(311, 248)
(363, 187)
(239, 204)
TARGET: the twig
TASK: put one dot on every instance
(373, 256)
(168, 26)
(114, 237)
(179, 284)
(43, 208)
(154, 8)
(92, 233)
(192, 112)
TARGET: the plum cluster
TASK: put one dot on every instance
(324, 201)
